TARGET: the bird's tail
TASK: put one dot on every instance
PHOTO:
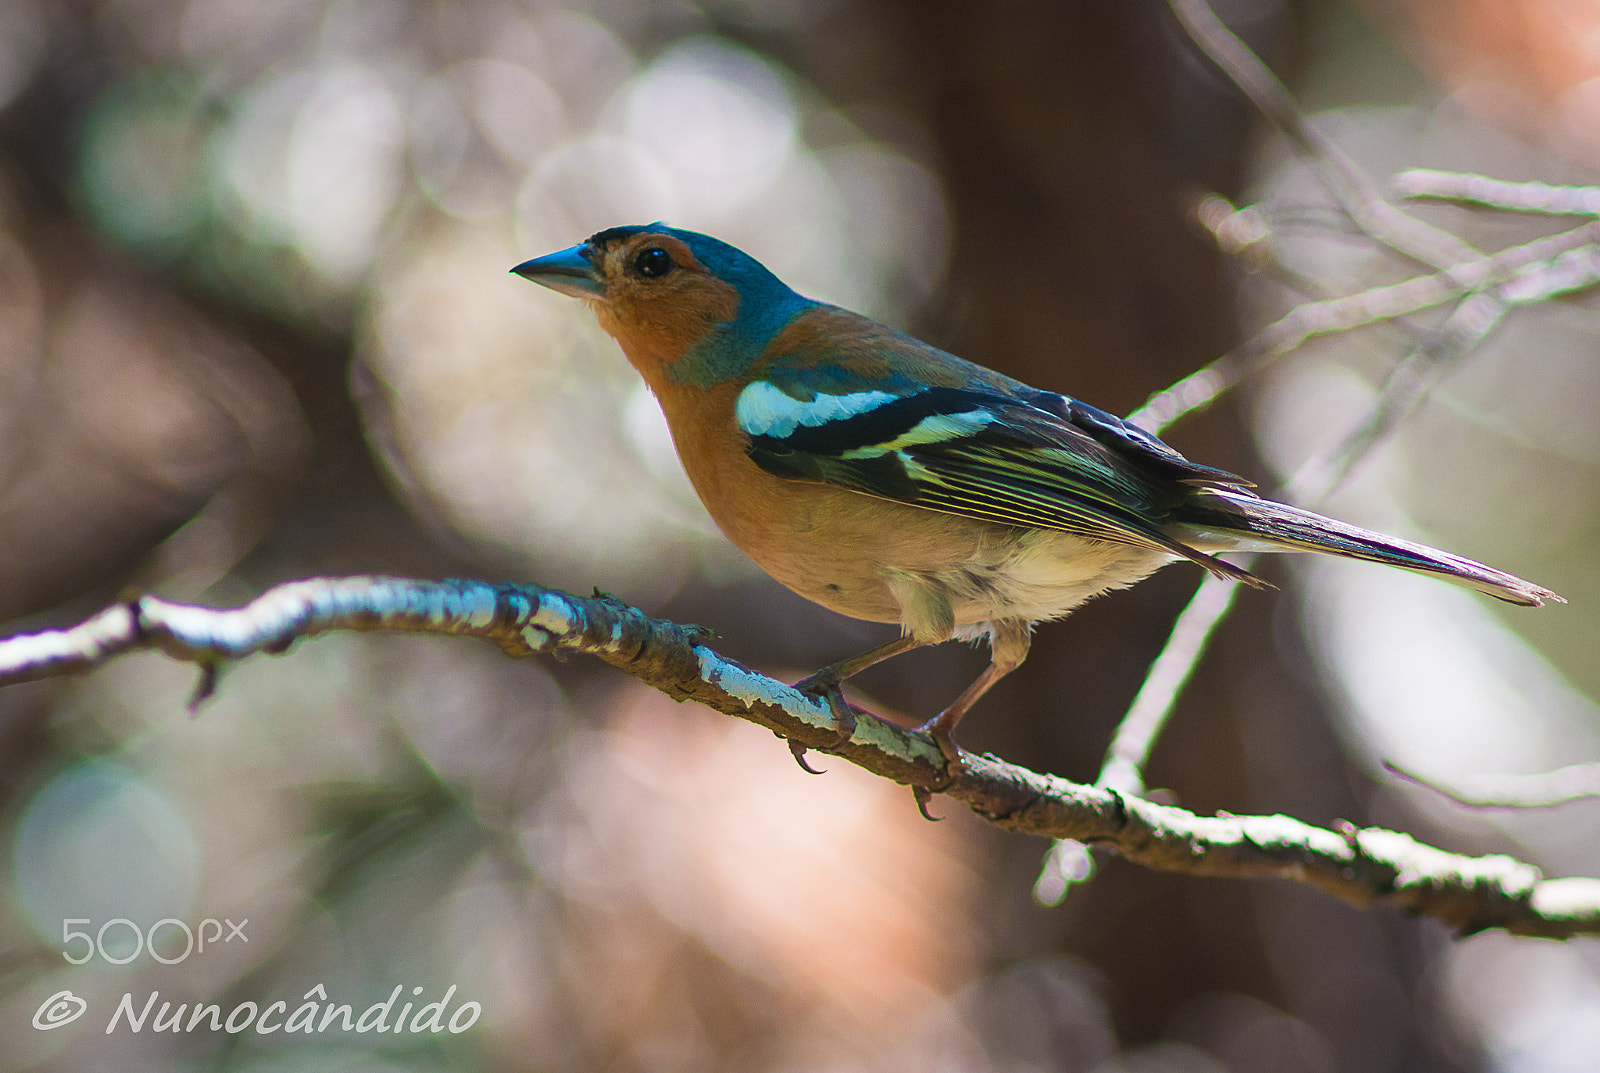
(1279, 527)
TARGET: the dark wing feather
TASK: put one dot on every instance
(1003, 458)
(1135, 444)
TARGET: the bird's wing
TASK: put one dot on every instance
(1024, 458)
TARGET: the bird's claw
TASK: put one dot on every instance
(825, 687)
(798, 751)
(205, 686)
(955, 765)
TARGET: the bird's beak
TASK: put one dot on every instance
(569, 271)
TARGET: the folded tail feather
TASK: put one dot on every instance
(1286, 528)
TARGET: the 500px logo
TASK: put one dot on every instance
(127, 931)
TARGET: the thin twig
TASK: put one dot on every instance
(1347, 183)
(1562, 261)
(1408, 383)
(1487, 286)
(1363, 866)
(1466, 329)
(1576, 782)
(1426, 183)
(1123, 769)
(1247, 234)
(1469, 324)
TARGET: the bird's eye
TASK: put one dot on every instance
(653, 263)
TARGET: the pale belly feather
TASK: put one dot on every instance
(933, 573)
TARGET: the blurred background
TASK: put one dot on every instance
(256, 324)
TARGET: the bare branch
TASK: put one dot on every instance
(1367, 866)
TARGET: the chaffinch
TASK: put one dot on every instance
(890, 481)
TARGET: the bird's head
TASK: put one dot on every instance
(686, 308)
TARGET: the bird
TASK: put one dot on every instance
(890, 481)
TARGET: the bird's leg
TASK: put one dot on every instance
(1008, 647)
(825, 684)
(833, 674)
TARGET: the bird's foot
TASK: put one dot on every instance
(824, 685)
(955, 762)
